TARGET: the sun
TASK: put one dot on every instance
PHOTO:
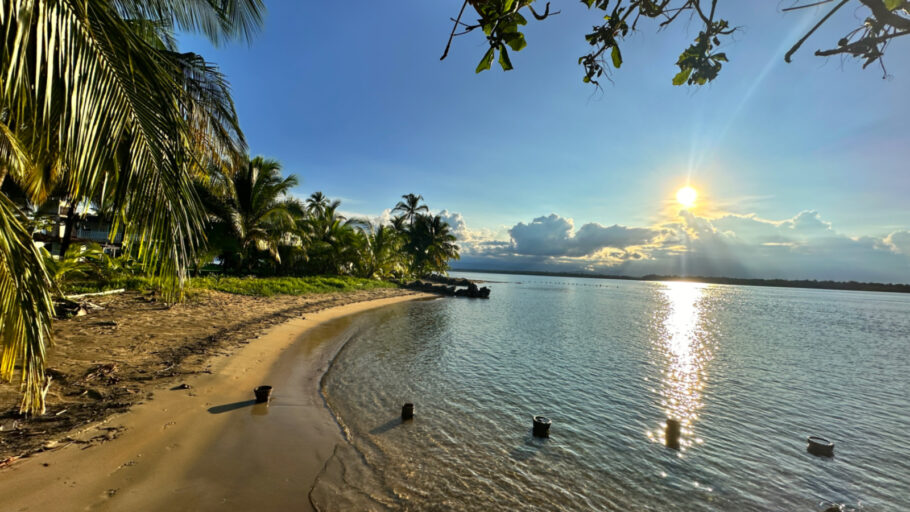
(686, 197)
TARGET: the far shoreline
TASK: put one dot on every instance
(808, 284)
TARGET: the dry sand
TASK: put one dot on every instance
(208, 447)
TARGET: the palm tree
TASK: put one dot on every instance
(380, 255)
(332, 241)
(317, 204)
(431, 245)
(410, 207)
(250, 211)
(95, 92)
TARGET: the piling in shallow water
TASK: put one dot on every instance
(541, 426)
(407, 411)
(820, 446)
(263, 393)
(672, 433)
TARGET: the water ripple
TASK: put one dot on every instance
(750, 372)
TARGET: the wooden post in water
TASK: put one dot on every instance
(672, 433)
(407, 411)
(541, 426)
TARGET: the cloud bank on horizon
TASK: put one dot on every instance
(731, 245)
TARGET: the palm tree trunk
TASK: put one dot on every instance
(68, 229)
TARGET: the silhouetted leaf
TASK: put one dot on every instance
(682, 76)
(486, 61)
(617, 57)
(504, 60)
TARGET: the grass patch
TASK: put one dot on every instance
(256, 286)
(268, 286)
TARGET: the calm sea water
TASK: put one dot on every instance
(750, 372)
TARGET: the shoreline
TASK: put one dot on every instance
(195, 449)
(801, 284)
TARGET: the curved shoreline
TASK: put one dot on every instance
(208, 446)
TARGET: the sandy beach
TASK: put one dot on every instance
(206, 445)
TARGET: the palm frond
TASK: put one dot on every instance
(26, 309)
(220, 20)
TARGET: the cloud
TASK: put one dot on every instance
(553, 236)
(804, 246)
(456, 222)
(899, 242)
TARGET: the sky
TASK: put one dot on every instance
(802, 169)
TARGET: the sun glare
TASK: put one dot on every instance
(686, 197)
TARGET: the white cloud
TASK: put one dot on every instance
(553, 236)
(802, 247)
(899, 242)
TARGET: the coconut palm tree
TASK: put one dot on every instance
(380, 255)
(250, 211)
(95, 92)
(332, 241)
(430, 244)
(317, 204)
(410, 207)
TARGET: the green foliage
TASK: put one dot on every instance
(248, 211)
(94, 97)
(380, 253)
(604, 38)
(268, 286)
(500, 20)
(699, 63)
(430, 245)
(25, 307)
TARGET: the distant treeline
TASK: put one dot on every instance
(780, 283)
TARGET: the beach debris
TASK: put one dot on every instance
(407, 411)
(14, 425)
(68, 308)
(9, 461)
(105, 372)
(263, 394)
(820, 446)
(64, 308)
(95, 294)
(182, 386)
(541, 426)
(672, 433)
(92, 393)
(47, 386)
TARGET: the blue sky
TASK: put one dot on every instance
(352, 97)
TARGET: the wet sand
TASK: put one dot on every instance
(208, 447)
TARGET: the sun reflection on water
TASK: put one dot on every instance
(684, 353)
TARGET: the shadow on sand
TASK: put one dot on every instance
(219, 409)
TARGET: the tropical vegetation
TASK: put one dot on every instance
(97, 104)
(100, 111)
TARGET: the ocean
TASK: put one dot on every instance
(750, 372)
